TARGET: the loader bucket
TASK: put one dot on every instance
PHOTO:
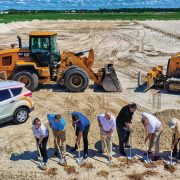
(147, 86)
(110, 82)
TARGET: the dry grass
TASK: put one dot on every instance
(140, 176)
(154, 164)
(103, 173)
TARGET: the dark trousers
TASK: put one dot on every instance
(175, 149)
(43, 149)
(85, 139)
(123, 136)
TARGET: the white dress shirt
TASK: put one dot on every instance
(107, 125)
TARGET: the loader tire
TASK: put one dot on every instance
(30, 79)
(76, 80)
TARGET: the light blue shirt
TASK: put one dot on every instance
(58, 126)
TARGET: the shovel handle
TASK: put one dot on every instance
(58, 148)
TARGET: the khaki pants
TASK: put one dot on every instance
(155, 141)
(61, 140)
(106, 141)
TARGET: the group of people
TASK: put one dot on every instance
(107, 125)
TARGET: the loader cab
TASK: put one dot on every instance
(44, 49)
(173, 68)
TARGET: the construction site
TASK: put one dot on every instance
(133, 47)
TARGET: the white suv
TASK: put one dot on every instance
(15, 102)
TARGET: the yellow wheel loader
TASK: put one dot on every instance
(42, 63)
(170, 81)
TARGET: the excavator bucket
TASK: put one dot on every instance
(110, 82)
(148, 86)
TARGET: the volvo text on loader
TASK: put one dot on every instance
(42, 63)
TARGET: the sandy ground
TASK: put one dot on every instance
(132, 47)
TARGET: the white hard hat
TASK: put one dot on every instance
(172, 123)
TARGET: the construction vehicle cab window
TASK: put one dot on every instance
(42, 63)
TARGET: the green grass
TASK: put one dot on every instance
(6, 18)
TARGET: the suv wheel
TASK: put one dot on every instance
(21, 115)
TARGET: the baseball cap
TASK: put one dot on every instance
(172, 123)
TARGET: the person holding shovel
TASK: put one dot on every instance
(41, 134)
(124, 126)
(154, 129)
(81, 125)
(58, 124)
(107, 125)
(174, 124)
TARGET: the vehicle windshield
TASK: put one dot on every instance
(40, 44)
(54, 45)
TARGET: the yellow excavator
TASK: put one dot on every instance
(42, 63)
(169, 81)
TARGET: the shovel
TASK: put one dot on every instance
(62, 160)
(147, 160)
(130, 149)
(171, 160)
(79, 160)
(41, 164)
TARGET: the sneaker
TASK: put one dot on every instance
(123, 153)
(127, 146)
(149, 153)
(55, 154)
(85, 156)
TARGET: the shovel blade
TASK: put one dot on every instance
(63, 162)
(79, 160)
(110, 82)
(42, 166)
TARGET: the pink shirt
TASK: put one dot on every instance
(107, 124)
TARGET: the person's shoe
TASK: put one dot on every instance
(155, 158)
(55, 154)
(123, 153)
(85, 156)
(149, 153)
(127, 146)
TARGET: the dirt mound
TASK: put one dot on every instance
(140, 176)
(87, 166)
(70, 169)
(102, 173)
(154, 164)
(170, 168)
(51, 171)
